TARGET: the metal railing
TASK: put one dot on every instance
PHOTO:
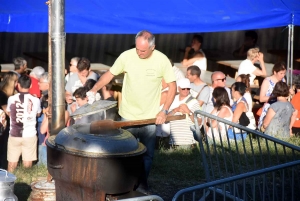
(144, 198)
(244, 165)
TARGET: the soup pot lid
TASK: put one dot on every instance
(6, 176)
(76, 139)
(94, 108)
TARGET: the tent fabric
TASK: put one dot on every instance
(129, 17)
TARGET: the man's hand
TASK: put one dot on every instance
(183, 108)
(92, 91)
(187, 49)
(260, 57)
(161, 118)
(73, 107)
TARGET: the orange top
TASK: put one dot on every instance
(296, 103)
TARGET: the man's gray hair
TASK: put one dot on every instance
(37, 72)
(18, 62)
(147, 36)
(45, 77)
(76, 59)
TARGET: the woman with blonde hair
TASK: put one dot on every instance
(7, 89)
(247, 66)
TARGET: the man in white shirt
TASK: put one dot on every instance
(247, 66)
(194, 55)
(23, 108)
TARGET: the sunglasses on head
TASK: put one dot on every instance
(185, 88)
(223, 79)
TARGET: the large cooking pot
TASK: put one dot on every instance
(87, 166)
(7, 182)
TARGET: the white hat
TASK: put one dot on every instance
(37, 71)
(184, 83)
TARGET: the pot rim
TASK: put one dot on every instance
(50, 142)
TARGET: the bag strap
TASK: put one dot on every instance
(200, 91)
(189, 99)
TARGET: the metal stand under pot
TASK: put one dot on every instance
(7, 183)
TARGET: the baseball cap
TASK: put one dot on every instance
(184, 83)
(37, 71)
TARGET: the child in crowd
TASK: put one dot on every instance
(281, 115)
(81, 98)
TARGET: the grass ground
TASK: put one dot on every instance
(173, 169)
(24, 179)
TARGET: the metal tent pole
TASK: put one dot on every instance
(49, 61)
(58, 37)
(289, 55)
(292, 55)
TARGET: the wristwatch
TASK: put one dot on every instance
(165, 111)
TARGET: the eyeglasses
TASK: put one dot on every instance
(223, 79)
(185, 88)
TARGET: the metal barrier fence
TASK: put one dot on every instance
(244, 164)
(144, 198)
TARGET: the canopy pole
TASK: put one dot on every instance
(289, 55)
(57, 122)
(49, 62)
(292, 55)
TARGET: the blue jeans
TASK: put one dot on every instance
(42, 159)
(146, 134)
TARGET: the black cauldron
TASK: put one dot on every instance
(89, 166)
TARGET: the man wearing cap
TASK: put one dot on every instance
(183, 103)
(35, 76)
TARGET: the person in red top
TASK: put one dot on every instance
(35, 76)
(296, 103)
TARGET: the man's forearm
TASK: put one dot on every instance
(170, 95)
(104, 80)
(263, 68)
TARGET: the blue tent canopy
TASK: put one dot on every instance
(128, 17)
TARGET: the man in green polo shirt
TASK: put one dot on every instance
(143, 68)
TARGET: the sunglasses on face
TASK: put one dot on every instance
(185, 88)
(223, 79)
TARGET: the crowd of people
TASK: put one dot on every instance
(152, 88)
(236, 103)
(24, 108)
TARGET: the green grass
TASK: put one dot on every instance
(25, 176)
(173, 169)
